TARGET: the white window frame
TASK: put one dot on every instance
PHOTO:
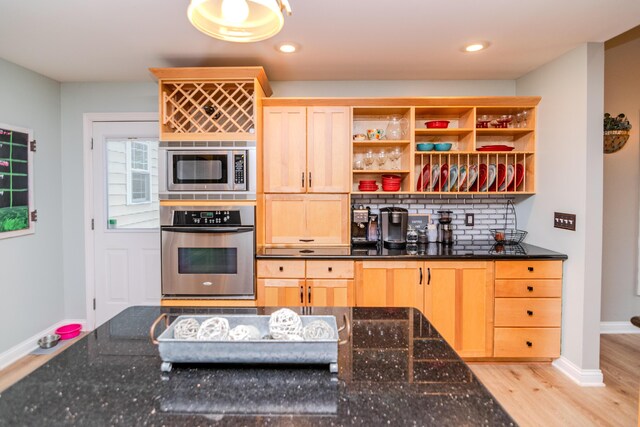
(131, 171)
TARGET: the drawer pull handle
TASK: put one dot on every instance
(330, 269)
(281, 268)
(530, 269)
(530, 313)
(306, 240)
(530, 288)
(529, 344)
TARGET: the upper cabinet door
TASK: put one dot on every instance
(284, 142)
(328, 150)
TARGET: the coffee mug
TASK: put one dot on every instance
(375, 133)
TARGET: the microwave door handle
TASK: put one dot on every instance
(209, 229)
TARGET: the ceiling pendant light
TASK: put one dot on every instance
(240, 21)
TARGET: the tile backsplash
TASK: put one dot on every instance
(489, 211)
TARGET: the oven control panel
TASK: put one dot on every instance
(207, 218)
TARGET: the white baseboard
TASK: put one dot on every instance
(583, 377)
(618, 328)
(27, 346)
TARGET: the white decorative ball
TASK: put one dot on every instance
(285, 324)
(244, 333)
(186, 329)
(214, 329)
(318, 330)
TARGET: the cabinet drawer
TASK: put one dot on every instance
(528, 312)
(330, 269)
(527, 342)
(281, 269)
(529, 288)
(528, 269)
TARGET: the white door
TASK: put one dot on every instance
(126, 217)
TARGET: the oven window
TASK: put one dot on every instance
(200, 168)
(207, 260)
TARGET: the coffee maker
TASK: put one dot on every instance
(364, 226)
(445, 229)
(393, 227)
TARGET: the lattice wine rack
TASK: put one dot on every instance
(208, 107)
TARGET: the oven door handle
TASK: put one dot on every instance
(209, 229)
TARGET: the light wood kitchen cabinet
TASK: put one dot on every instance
(307, 219)
(302, 283)
(528, 308)
(389, 284)
(458, 301)
(306, 150)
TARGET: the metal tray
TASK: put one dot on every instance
(264, 351)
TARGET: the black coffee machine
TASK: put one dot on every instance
(364, 226)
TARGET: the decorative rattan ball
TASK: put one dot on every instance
(214, 329)
(244, 333)
(317, 330)
(186, 329)
(284, 324)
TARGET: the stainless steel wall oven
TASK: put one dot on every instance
(208, 251)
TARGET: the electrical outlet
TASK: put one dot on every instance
(469, 219)
(564, 221)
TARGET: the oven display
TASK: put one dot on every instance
(207, 218)
(207, 261)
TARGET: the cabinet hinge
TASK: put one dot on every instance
(34, 215)
(94, 303)
(92, 143)
(32, 145)
(92, 223)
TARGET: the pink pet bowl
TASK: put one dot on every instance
(69, 331)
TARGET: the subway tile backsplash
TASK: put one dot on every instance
(489, 211)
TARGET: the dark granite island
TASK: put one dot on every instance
(394, 369)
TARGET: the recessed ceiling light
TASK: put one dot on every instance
(287, 47)
(475, 47)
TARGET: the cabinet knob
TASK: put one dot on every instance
(330, 269)
(530, 269)
(281, 268)
(529, 344)
(530, 288)
(530, 313)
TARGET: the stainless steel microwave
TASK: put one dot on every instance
(207, 170)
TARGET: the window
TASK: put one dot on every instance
(139, 173)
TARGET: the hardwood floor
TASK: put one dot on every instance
(540, 395)
(534, 394)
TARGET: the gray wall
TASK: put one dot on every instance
(569, 179)
(622, 182)
(77, 99)
(31, 280)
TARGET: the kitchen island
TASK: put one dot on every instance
(394, 369)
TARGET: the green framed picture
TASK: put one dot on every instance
(16, 181)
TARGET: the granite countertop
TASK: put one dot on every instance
(394, 369)
(436, 251)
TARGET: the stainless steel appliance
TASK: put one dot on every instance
(364, 230)
(393, 227)
(445, 229)
(208, 251)
(203, 170)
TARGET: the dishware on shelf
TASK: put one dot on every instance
(381, 159)
(358, 164)
(483, 122)
(518, 178)
(435, 175)
(442, 146)
(442, 181)
(368, 159)
(507, 182)
(424, 146)
(394, 155)
(480, 179)
(518, 120)
(391, 182)
(437, 124)
(397, 127)
(453, 178)
(524, 119)
(504, 120)
(375, 134)
(501, 174)
(491, 177)
(495, 148)
(359, 137)
(462, 177)
(424, 178)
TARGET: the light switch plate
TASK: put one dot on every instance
(564, 220)
(469, 219)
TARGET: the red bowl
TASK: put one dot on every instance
(69, 331)
(437, 124)
(368, 182)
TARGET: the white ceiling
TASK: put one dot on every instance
(118, 40)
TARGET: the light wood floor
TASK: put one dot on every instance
(540, 395)
(534, 394)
